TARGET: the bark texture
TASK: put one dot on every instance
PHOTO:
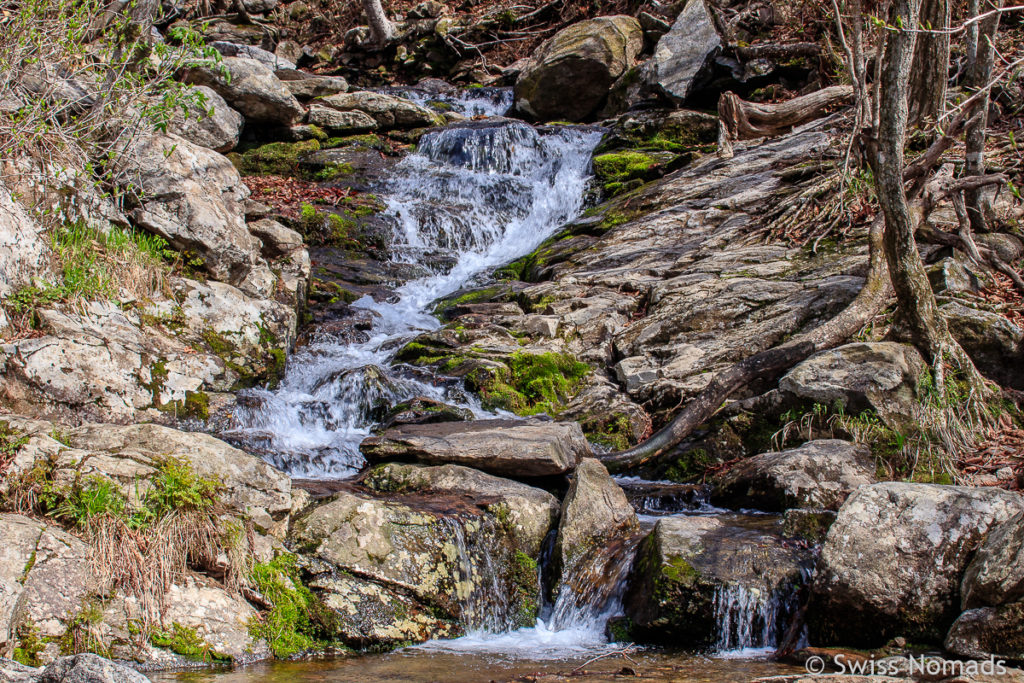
(380, 26)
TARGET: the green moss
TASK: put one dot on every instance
(186, 641)
(197, 405)
(679, 570)
(526, 578)
(11, 440)
(616, 433)
(28, 645)
(298, 620)
(80, 635)
(369, 141)
(534, 383)
(333, 172)
(623, 166)
(621, 630)
(691, 464)
(274, 158)
(476, 296)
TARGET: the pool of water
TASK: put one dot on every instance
(418, 665)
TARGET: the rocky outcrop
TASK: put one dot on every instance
(682, 55)
(215, 125)
(249, 87)
(398, 566)
(819, 474)
(686, 562)
(585, 59)
(22, 250)
(893, 561)
(994, 343)
(307, 86)
(82, 668)
(340, 122)
(882, 376)
(595, 512)
(514, 448)
(388, 111)
(192, 198)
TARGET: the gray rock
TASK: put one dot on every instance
(807, 524)
(988, 632)
(686, 562)
(585, 59)
(306, 86)
(515, 448)
(340, 122)
(264, 57)
(22, 249)
(995, 576)
(89, 668)
(861, 376)
(259, 6)
(252, 89)
(819, 474)
(994, 343)
(192, 198)
(595, 512)
(13, 672)
(892, 562)
(388, 111)
(277, 239)
(1009, 248)
(950, 277)
(683, 53)
(216, 127)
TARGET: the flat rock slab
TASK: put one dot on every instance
(514, 448)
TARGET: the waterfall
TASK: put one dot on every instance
(751, 618)
(483, 192)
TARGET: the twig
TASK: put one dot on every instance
(624, 653)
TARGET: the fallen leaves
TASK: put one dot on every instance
(287, 195)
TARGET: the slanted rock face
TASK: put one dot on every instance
(594, 512)
(406, 567)
(252, 89)
(682, 54)
(819, 474)
(388, 111)
(583, 59)
(216, 126)
(306, 86)
(878, 375)
(22, 250)
(988, 631)
(686, 561)
(996, 574)
(994, 343)
(89, 668)
(192, 198)
(514, 448)
(266, 58)
(893, 561)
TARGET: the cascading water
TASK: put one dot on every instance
(482, 192)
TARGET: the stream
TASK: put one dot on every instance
(472, 197)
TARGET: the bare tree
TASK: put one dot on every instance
(978, 76)
(930, 72)
(381, 27)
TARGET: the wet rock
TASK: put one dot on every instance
(264, 57)
(585, 58)
(875, 375)
(340, 122)
(251, 88)
(661, 497)
(529, 512)
(409, 567)
(595, 512)
(215, 125)
(516, 448)
(892, 562)
(807, 524)
(307, 86)
(424, 411)
(389, 112)
(819, 474)
(89, 668)
(683, 54)
(986, 632)
(685, 563)
(192, 198)
(994, 343)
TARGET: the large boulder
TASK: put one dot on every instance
(268, 59)
(22, 250)
(399, 566)
(994, 343)
(863, 375)
(700, 580)
(192, 197)
(306, 86)
(988, 632)
(515, 448)
(250, 87)
(819, 474)
(89, 668)
(340, 122)
(595, 512)
(683, 55)
(388, 111)
(215, 125)
(893, 561)
(584, 59)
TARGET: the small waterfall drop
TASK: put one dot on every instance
(480, 192)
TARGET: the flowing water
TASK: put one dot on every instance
(472, 196)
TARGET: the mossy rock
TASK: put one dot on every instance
(274, 158)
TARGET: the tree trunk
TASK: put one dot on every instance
(978, 208)
(917, 309)
(930, 72)
(742, 120)
(380, 26)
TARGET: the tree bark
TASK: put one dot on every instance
(381, 27)
(930, 72)
(742, 120)
(978, 208)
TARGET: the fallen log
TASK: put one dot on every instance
(742, 120)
